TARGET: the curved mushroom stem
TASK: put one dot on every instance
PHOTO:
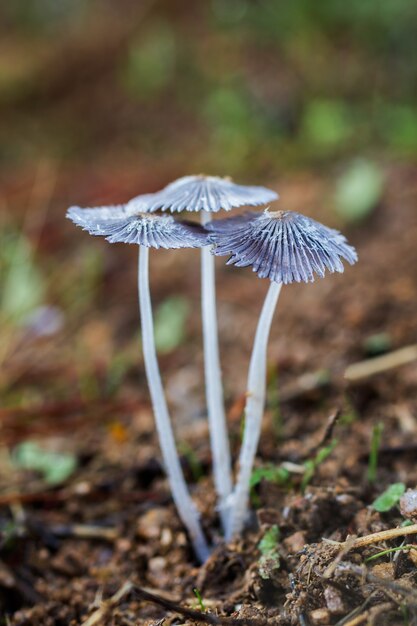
(255, 403)
(214, 391)
(185, 506)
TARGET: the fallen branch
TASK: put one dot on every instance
(384, 535)
(380, 364)
(86, 531)
(199, 616)
(98, 616)
(327, 433)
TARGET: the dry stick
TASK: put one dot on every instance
(328, 432)
(358, 612)
(360, 542)
(384, 535)
(86, 531)
(346, 547)
(98, 616)
(198, 616)
(359, 619)
(363, 369)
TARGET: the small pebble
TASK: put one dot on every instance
(124, 545)
(150, 524)
(166, 537)
(157, 565)
(384, 571)
(321, 617)
(408, 505)
(295, 542)
(334, 601)
(82, 488)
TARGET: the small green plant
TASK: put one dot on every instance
(22, 285)
(192, 460)
(378, 555)
(270, 473)
(311, 465)
(55, 467)
(359, 190)
(373, 455)
(197, 593)
(389, 498)
(170, 324)
(269, 549)
(378, 343)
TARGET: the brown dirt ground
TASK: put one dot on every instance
(50, 575)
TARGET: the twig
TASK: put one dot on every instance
(380, 364)
(357, 613)
(328, 431)
(346, 547)
(359, 619)
(198, 616)
(86, 531)
(98, 616)
(384, 535)
(304, 384)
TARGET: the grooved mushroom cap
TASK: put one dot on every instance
(202, 193)
(283, 246)
(121, 224)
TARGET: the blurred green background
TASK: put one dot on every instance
(101, 100)
(243, 87)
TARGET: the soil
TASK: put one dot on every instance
(81, 552)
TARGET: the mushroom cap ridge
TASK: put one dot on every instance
(119, 224)
(283, 246)
(207, 193)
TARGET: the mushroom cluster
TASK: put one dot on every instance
(283, 246)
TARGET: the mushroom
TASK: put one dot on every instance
(209, 194)
(285, 247)
(124, 224)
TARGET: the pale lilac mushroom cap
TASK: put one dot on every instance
(283, 246)
(202, 193)
(122, 224)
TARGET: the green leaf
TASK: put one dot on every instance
(389, 498)
(269, 541)
(398, 125)
(359, 190)
(55, 467)
(376, 439)
(377, 344)
(22, 285)
(270, 473)
(170, 321)
(197, 593)
(312, 464)
(151, 61)
(327, 122)
(269, 549)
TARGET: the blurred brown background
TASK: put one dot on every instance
(103, 100)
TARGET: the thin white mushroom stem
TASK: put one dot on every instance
(222, 470)
(255, 404)
(185, 506)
